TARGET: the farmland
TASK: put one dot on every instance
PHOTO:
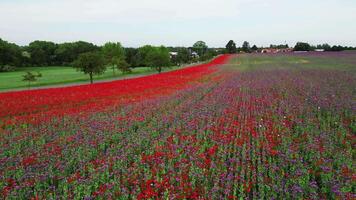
(276, 126)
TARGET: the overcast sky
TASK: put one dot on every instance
(179, 22)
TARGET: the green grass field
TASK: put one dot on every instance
(62, 75)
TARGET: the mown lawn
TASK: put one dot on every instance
(61, 75)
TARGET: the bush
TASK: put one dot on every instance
(7, 68)
(302, 46)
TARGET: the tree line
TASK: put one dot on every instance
(47, 53)
(231, 47)
(303, 46)
(95, 60)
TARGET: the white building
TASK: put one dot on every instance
(173, 54)
(195, 54)
(319, 50)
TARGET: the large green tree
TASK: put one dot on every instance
(302, 46)
(91, 63)
(114, 55)
(209, 54)
(66, 53)
(200, 47)
(325, 46)
(141, 57)
(157, 58)
(130, 55)
(42, 53)
(231, 47)
(122, 65)
(10, 55)
(246, 47)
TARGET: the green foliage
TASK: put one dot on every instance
(183, 56)
(209, 54)
(157, 57)
(337, 48)
(254, 48)
(42, 53)
(7, 68)
(200, 47)
(302, 46)
(325, 46)
(66, 53)
(92, 63)
(141, 56)
(47, 53)
(231, 47)
(246, 47)
(280, 46)
(114, 55)
(111, 51)
(10, 55)
(30, 77)
(130, 56)
(122, 65)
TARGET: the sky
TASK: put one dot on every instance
(179, 22)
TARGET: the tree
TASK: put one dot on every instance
(254, 48)
(157, 57)
(337, 48)
(91, 63)
(141, 56)
(183, 55)
(280, 46)
(200, 47)
(10, 55)
(246, 47)
(68, 52)
(30, 77)
(114, 54)
(325, 46)
(122, 65)
(130, 54)
(42, 53)
(302, 46)
(231, 47)
(210, 53)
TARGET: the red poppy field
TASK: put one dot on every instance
(240, 127)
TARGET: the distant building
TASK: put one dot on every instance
(173, 54)
(319, 50)
(195, 54)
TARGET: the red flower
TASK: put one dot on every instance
(102, 189)
(31, 160)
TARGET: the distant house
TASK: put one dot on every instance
(173, 54)
(195, 54)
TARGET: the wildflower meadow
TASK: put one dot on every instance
(254, 126)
